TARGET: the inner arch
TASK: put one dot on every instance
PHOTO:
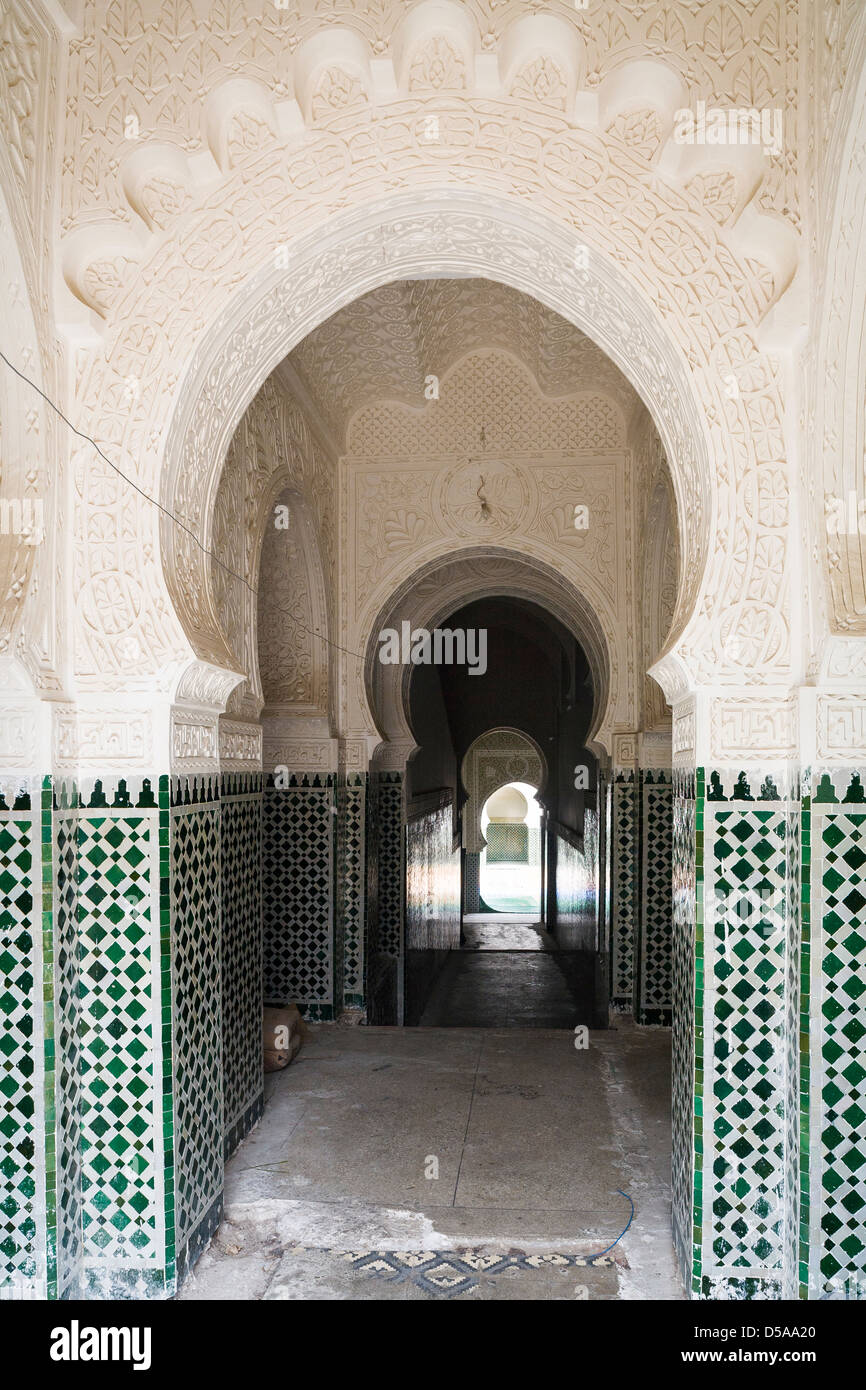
(455, 233)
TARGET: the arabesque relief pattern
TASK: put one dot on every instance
(191, 193)
(413, 483)
(657, 234)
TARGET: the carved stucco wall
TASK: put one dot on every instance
(146, 57)
(658, 565)
(534, 109)
(246, 123)
(835, 359)
(34, 463)
(291, 665)
(496, 758)
(275, 609)
(411, 479)
(395, 343)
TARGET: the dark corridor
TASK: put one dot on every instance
(509, 973)
(536, 683)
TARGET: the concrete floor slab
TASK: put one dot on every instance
(499, 988)
(500, 932)
(533, 1141)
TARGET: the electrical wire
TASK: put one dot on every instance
(167, 512)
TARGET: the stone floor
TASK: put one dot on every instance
(494, 931)
(510, 974)
(421, 1163)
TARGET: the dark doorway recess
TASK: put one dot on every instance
(537, 682)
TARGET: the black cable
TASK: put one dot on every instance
(165, 511)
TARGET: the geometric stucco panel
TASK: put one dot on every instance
(584, 162)
(496, 758)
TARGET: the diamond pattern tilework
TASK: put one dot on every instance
(22, 1214)
(198, 1098)
(119, 1057)
(338, 906)
(297, 886)
(687, 1038)
(752, 1107)
(351, 886)
(623, 847)
(804, 1236)
(240, 870)
(747, 943)
(793, 1004)
(839, 1054)
(391, 857)
(471, 883)
(653, 979)
(65, 1079)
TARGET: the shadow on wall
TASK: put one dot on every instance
(576, 869)
(432, 902)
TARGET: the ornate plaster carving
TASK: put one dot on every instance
(496, 758)
(240, 746)
(395, 342)
(655, 247)
(563, 141)
(429, 594)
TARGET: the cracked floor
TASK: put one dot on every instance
(467, 1163)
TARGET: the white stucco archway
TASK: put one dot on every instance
(511, 756)
(457, 232)
(454, 233)
(427, 598)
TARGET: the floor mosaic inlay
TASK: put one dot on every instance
(450, 1273)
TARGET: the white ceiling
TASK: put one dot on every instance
(384, 345)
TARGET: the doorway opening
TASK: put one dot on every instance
(407, 844)
(510, 872)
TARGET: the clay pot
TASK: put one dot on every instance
(282, 1034)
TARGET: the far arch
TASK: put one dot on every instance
(457, 233)
(494, 760)
(436, 590)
